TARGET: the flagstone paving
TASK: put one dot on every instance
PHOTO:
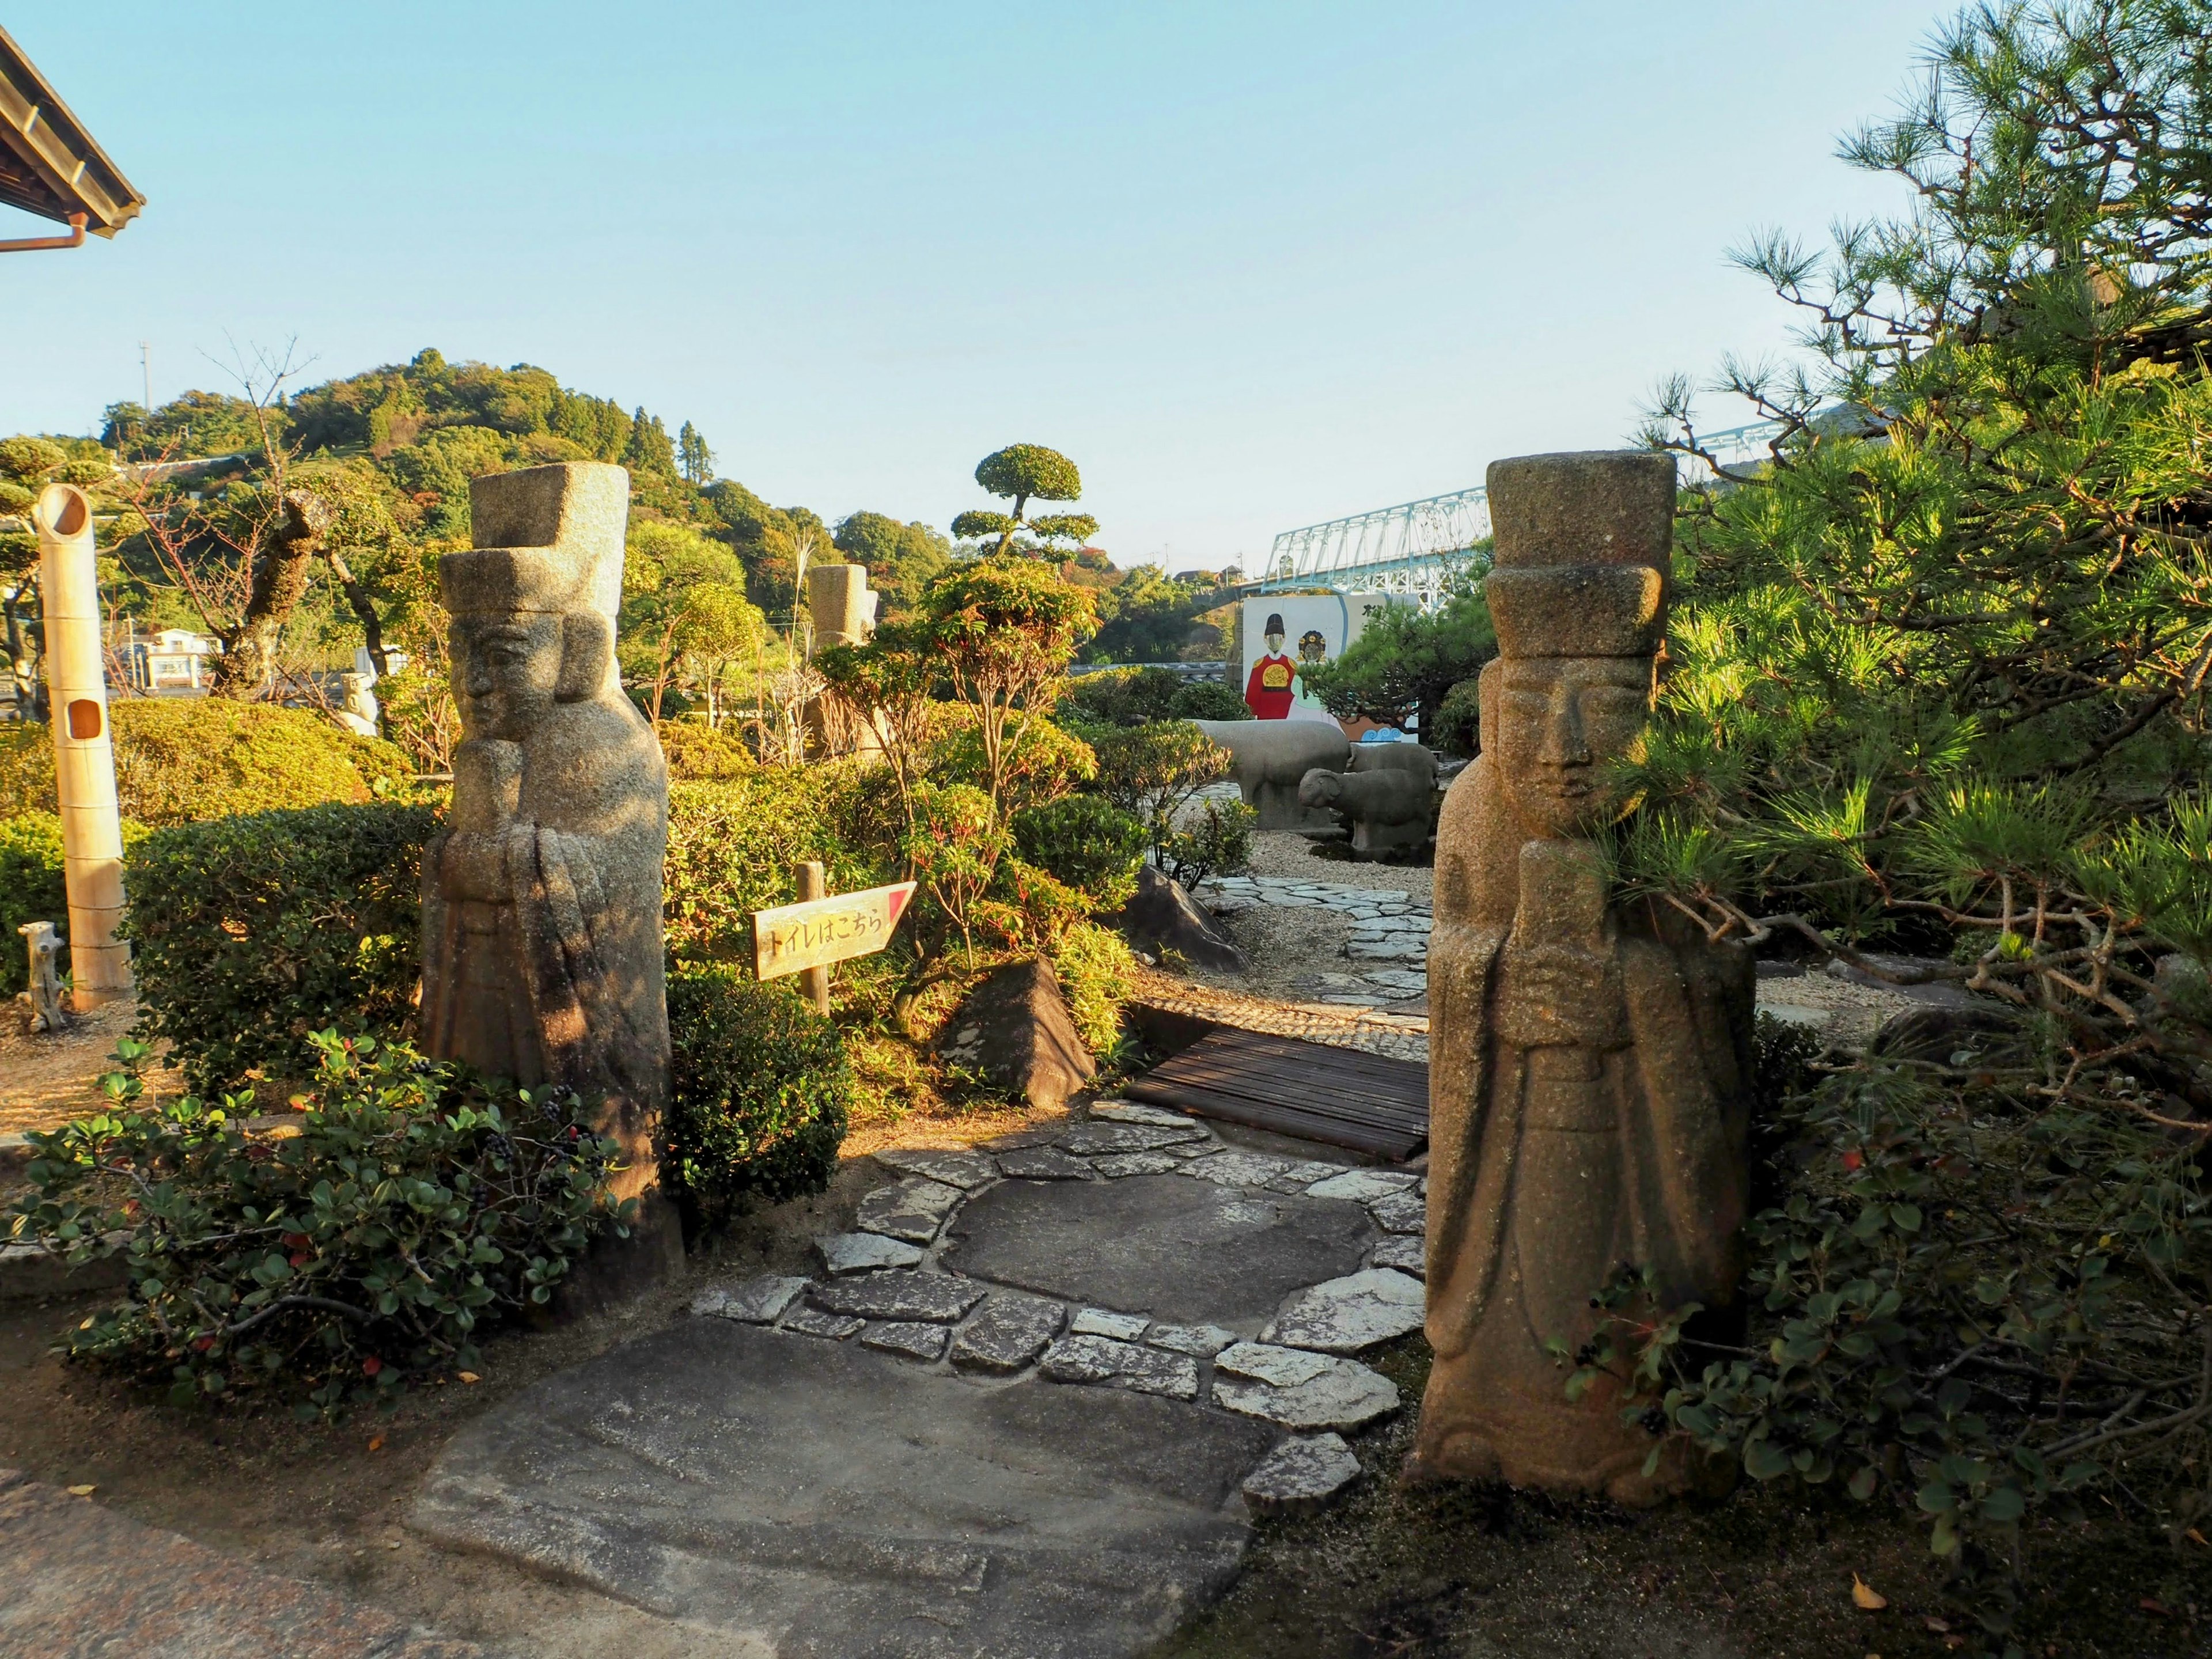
(1045, 1435)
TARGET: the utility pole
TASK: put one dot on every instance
(146, 369)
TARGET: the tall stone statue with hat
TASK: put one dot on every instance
(1589, 1057)
(542, 947)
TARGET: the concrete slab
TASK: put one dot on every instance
(1187, 1252)
(821, 1501)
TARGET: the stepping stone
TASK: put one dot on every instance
(966, 1170)
(1086, 1139)
(1346, 1314)
(934, 1298)
(1199, 1341)
(1400, 1212)
(1237, 1168)
(1362, 1185)
(1302, 1474)
(1299, 1177)
(821, 1499)
(1135, 1111)
(756, 1302)
(83, 1579)
(1300, 1389)
(1104, 1322)
(1409, 1253)
(812, 1321)
(1186, 1251)
(913, 1209)
(860, 1253)
(1385, 950)
(1400, 979)
(925, 1342)
(1103, 1363)
(1117, 1165)
(1007, 1333)
(1043, 1163)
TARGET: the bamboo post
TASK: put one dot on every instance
(84, 754)
(813, 884)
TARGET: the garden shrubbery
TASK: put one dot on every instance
(247, 934)
(760, 1091)
(413, 1208)
(182, 760)
(32, 889)
(1096, 970)
(731, 845)
(1086, 842)
(1133, 696)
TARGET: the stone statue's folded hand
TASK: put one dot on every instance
(487, 786)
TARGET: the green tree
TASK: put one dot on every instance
(683, 596)
(902, 559)
(1022, 473)
(696, 460)
(1407, 660)
(648, 450)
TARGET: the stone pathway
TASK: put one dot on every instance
(1026, 1407)
(1390, 945)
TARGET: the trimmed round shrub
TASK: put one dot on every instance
(413, 1208)
(180, 760)
(760, 1091)
(698, 753)
(1086, 842)
(32, 888)
(248, 934)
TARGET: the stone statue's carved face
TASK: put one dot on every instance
(1550, 724)
(508, 672)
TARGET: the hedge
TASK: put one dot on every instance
(731, 846)
(32, 888)
(183, 760)
(247, 934)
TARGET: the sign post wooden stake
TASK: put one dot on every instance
(813, 884)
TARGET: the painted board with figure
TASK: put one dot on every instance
(1283, 635)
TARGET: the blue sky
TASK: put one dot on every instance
(1251, 266)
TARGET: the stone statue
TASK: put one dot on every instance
(1386, 796)
(542, 949)
(1589, 1058)
(1268, 759)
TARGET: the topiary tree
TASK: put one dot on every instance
(1406, 662)
(1022, 473)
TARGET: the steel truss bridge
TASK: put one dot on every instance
(1413, 550)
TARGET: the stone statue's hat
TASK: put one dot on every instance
(1585, 541)
(547, 538)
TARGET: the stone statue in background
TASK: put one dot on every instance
(542, 949)
(1589, 1058)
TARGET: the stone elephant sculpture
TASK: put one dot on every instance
(1387, 796)
(1269, 758)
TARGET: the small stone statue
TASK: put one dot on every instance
(1387, 796)
(542, 948)
(1590, 1059)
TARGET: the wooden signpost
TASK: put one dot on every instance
(805, 938)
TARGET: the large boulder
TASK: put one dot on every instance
(1015, 1029)
(1161, 917)
(1268, 758)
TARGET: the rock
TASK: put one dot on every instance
(1007, 1333)
(1362, 1185)
(1117, 1165)
(1343, 1315)
(1043, 1163)
(1199, 1341)
(1160, 917)
(1182, 1251)
(1103, 1363)
(1404, 1251)
(756, 1302)
(925, 1342)
(860, 1253)
(818, 1499)
(1027, 1045)
(913, 1209)
(812, 1321)
(1268, 758)
(966, 1170)
(1135, 1111)
(1237, 1168)
(1301, 1475)
(1104, 1322)
(1935, 1033)
(1400, 1212)
(1087, 1138)
(1299, 1389)
(1300, 1176)
(934, 1298)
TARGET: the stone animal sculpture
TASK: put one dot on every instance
(1590, 1057)
(1387, 798)
(542, 949)
(1268, 759)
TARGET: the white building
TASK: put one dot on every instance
(174, 663)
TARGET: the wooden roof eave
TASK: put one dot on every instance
(49, 166)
